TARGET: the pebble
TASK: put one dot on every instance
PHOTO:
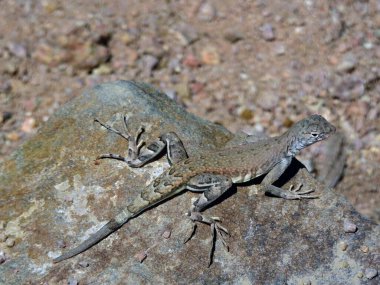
(3, 237)
(166, 234)
(343, 246)
(72, 281)
(141, 256)
(206, 12)
(13, 136)
(349, 88)
(84, 264)
(2, 257)
(103, 69)
(2, 225)
(268, 32)
(348, 64)
(279, 49)
(210, 56)
(370, 273)
(233, 36)
(349, 227)
(267, 100)
(186, 33)
(183, 91)
(28, 125)
(17, 50)
(245, 113)
(364, 248)
(191, 61)
(148, 63)
(10, 242)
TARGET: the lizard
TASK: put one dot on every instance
(211, 174)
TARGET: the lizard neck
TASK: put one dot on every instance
(293, 145)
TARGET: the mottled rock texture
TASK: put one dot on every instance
(54, 195)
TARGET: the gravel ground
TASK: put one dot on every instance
(255, 66)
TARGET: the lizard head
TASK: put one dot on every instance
(310, 130)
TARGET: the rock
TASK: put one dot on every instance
(370, 273)
(267, 100)
(349, 227)
(147, 64)
(273, 241)
(210, 55)
(268, 32)
(233, 36)
(348, 64)
(206, 12)
(186, 33)
(17, 49)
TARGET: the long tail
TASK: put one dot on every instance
(148, 198)
(112, 226)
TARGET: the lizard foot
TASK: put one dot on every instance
(216, 230)
(297, 194)
(134, 143)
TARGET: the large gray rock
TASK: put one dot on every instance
(53, 194)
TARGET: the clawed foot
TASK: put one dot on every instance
(216, 230)
(297, 194)
(134, 143)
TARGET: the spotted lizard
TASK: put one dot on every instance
(211, 174)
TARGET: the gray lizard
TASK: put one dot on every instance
(211, 173)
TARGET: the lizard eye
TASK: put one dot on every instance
(314, 134)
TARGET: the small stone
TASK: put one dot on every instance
(206, 12)
(360, 275)
(3, 237)
(84, 264)
(233, 36)
(17, 50)
(191, 61)
(103, 69)
(343, 246)
(344, 264)
(166, 234)
(174, 65)
(349, 227)
(3, 118)
(268, 32)
(196, 87)
(2, 257)
(141, 256)
(13, 136)
(279, 49)
(72, 281)
(2, 225)
(370, 273)
(10, 68)
(364, 248)
(267, 100)
(61, 243)
(10, 242)
(348, 64)
(148, 63)
(210, 56)
(183, 91)
(186, 33)
(28, 125)
(245, 113)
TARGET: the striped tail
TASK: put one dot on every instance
(112, 226)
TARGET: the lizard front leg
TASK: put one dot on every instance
(213, 186)
(292, 193)
(137, 157)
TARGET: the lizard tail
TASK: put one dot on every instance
(105, 231)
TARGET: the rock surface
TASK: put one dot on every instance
(53, 196)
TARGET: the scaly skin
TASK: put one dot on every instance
(237, 164)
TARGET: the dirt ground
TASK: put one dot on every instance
(256, 66)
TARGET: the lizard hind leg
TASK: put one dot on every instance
(136, 157)
(213, 186)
